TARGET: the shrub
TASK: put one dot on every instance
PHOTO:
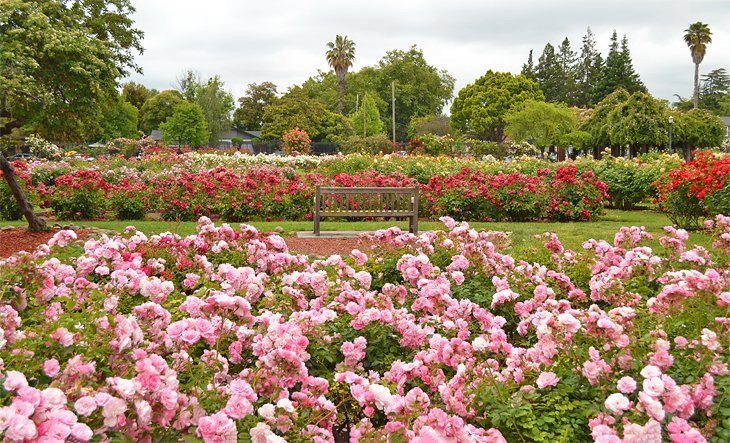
(697, 189)
(296, 142)
(80, 195)
(130, 199)
(9, 209)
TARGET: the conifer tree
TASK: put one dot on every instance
(549, 75)
(617, 71)
(587, 71)
(528, 69)
(567, 61)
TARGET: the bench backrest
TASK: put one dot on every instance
(374, 201)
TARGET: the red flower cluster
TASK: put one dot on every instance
(562, 195)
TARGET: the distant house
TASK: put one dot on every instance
(726, 121)
(226, 138)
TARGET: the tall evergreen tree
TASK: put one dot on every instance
(549, 75)
(617, 71)
(528, 69)
(714, 88)
(567, 60)
(588, 70)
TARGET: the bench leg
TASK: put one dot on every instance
(414, 225)
(316, 224)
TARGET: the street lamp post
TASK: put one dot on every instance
(671, 122)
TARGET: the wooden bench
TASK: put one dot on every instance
(366, 202)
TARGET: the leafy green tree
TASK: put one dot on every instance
(136, 94)
(250, 112)
(373, 125)
(480, 108)
(296, 110)
(541, 124)
(587, 70)
(697, 37)
(158, 108)
(430, 124)
(61, 61)
(186, 126)
(420, 89)
(120, 120)
(217, 105)
(618, 71)
(340, 56)
(188, 84)
(59, 66)
(697, 129)
(639, 123)
(597, 124)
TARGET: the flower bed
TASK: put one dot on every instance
(442, 337)
(697, 189)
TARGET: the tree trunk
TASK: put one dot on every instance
(341, 94)
(35, 223)
(696, 95)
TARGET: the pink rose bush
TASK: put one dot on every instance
(225, 335)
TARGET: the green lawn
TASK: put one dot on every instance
(572, 234)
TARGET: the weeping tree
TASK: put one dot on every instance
(60, 61)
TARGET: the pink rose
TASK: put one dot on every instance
(617, 403)
(626, 385)
(20, 428)
(14, 380)
(51, 367)
(81, 432)
(547, 379)
(85, 406)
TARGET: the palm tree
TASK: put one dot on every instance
(697, 37)
(340, 56)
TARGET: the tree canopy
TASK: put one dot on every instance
(373, 125)
(216, 103)
(60, 62)
(119, 120)
(186, 126)
(541, 124)
(479, 109)
(697, 129)
(420, 89)
(296, 110)
(158, 108)
(250, 112)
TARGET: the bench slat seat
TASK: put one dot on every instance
(353, 202)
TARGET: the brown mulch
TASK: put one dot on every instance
(14, 240)
(19, 239)
(324, 247)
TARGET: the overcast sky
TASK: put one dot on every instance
(284, 41)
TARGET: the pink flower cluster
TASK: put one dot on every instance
(225, 332)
